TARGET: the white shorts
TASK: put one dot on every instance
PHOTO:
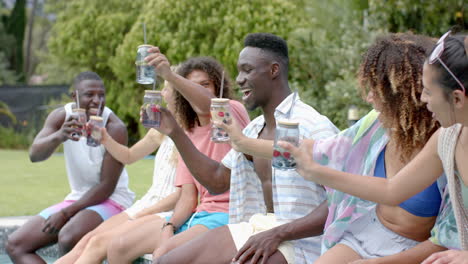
(258, 223)
(146, 201)
(371, 239)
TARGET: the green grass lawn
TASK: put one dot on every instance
(26, 188)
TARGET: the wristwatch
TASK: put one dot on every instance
(174, 228)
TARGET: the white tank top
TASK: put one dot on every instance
(83, 164)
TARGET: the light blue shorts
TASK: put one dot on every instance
(210, 220)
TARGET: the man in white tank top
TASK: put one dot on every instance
(98, 182)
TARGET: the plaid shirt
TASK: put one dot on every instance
(293, 196)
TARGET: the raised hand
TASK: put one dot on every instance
(159, 61)
(258, 248)
(303, 157)
(70, 129)
(168, 124)
(234, 131)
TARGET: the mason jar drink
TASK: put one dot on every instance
(151, 117)
(80, 115)
(285, 131)
(144, 73)
(94, 131)
(221, 112)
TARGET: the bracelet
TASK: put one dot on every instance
(174, 228)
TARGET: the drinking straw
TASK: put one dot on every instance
(77, 99)
(99, 108)
(222, 86)
(144, 32)
(288, 115)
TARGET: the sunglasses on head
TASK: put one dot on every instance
(437, 53)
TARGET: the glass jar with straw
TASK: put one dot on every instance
(80, 115)
(94, 134)
(145, 73)
(220, 110)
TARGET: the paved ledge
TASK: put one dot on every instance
(9, 224)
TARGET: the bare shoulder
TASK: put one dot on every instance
(115, 123)
(56, 118)
(117, 129)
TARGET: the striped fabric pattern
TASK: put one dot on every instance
(355, 150)
(293, 197)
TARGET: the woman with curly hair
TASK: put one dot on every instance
(445, 79)
(197, 81)
(381, 144)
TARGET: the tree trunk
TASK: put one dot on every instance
(28, 61)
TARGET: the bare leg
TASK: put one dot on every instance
(96, 249)
(215, 246)
(139, 241)
(338, 254)
(78, 226)
(23, 243)
(107, 225)
(179, 239)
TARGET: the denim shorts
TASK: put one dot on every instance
(371, 239)
(210, 220)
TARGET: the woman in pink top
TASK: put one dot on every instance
(198, 80)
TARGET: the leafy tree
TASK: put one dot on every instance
(15, 26)
(182, 30)
(85, 36)
(326, 40)
(6, 74)
(431, 18)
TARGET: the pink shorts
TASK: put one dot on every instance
(105, 209)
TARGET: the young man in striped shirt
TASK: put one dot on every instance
(256, 196)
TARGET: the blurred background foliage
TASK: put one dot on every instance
(326, 40)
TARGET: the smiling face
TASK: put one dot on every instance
(254, 79)
(90, 93)
(437, 101)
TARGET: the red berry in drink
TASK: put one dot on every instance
(154, 109)
(276, 153)
(221, 114)
(287, 155)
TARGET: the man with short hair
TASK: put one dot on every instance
(255, 194)
(99, 184)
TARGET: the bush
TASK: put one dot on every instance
(14, 140)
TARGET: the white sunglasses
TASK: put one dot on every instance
(437, 52)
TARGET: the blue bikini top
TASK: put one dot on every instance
(424, 204)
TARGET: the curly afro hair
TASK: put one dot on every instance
(187, 116)
(392, 69)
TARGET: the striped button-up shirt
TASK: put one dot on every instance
(293, 196)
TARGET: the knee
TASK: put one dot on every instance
(13, 246)
(117, 246)
(66, 241)
(96, 241)
(163, 249)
